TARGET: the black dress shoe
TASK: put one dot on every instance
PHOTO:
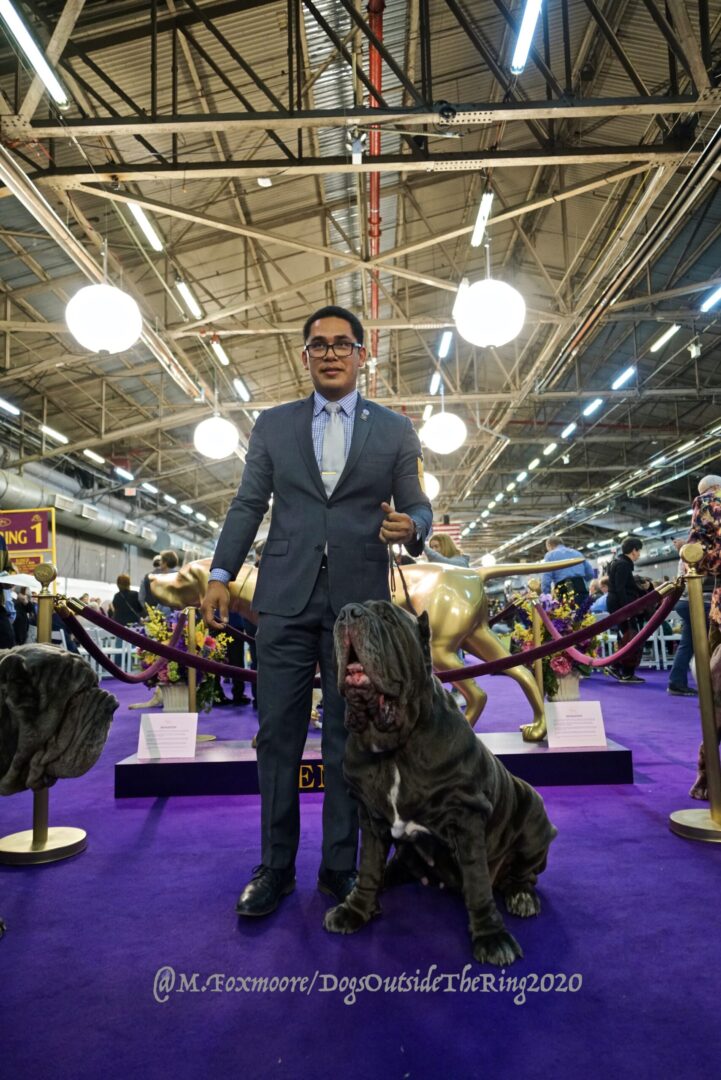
(265, 890)
(241, 699)
(337, 883)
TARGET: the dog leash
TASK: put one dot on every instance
(394, 565)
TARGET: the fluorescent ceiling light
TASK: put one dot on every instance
(169, 499)
(34, 56)
(686, 446)
(200, 517)
(149, 487)
(621, 535)
(658, 461)
(511, 486)
(673, 517)
(53, 434)
(213, 524)
(711, 300)
(623, 378)
(689, 512)
(264, 181)
(525, 36)
(9, 408)
(256, 414)
(427, 413)
(593, 406)
(484, 514)
(220, 352)
(534, 464)
(591, 544)
(123, 473)
(569, 429)
(500, 497)
(445, 345)
(484, 211)
(464, 532)
(549, 449)
(435, 382)
(491, 504)
(653, 524)
(185, 509)
(241, 389)
(521, 476)
(665, 336)
(190, 302)
(146, 226)
(94, 457)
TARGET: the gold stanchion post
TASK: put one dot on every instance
(42, 844)
(192, 673)
(703, 824)
(534, 586)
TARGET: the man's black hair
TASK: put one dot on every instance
(333, 311)
(632, 543)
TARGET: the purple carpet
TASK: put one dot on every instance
(627, 906)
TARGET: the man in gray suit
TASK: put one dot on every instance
(332, 463)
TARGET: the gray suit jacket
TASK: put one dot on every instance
(383, 463)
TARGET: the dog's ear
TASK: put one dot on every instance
(424, 636)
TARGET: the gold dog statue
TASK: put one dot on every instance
(454, 597)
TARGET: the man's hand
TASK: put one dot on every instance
(397, 528)
(217, 596)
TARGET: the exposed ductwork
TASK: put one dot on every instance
(40, 486)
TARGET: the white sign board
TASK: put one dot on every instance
(575, 723)
(167, 735)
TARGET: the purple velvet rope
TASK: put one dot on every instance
(239, 634)
(213, 667)
(200, 663)
(578, 637)
(501, 616)
(79, 632)
(601, 661)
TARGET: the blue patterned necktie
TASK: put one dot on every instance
(333, 457)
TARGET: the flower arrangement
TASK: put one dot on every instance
(160, 627)
(566, 616)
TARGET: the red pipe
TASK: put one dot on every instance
(375, 73)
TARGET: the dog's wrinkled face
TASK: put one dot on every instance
(384, 671)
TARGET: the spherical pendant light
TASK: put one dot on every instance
(104, 319)
(488, 560)
(215, 438)
(431, 485)
(443, 433)
(489, 312)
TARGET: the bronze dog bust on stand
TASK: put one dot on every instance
(425, 783)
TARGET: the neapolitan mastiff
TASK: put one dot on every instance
(425, 783)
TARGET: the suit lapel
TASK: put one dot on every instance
(303, 431)
(361, 429)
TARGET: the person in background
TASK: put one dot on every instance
(600, 593)
(126, 607)
(21, 625)
(441, 548)
(622, 590)
(569, 583)
(167, 562)
(706, 531)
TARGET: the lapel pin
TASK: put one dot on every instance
(364, 414)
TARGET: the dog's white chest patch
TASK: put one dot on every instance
(399, 827)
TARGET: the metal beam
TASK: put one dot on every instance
(464, 116)
(690, 44)
(70, 175)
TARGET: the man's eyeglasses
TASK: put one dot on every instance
(318, 350)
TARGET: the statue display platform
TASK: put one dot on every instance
(228, 767)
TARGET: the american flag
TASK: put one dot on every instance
(452, 529)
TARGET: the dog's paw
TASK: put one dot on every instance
(344, 920)
(500, 949)
(699, 790)
(523, 903)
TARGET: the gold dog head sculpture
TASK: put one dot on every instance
(454, 597)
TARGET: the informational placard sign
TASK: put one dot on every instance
(29, 537)
(167, 736)
(575, 723)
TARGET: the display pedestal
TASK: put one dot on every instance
(228, 767)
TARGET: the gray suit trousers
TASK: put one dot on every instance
(289, 647)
